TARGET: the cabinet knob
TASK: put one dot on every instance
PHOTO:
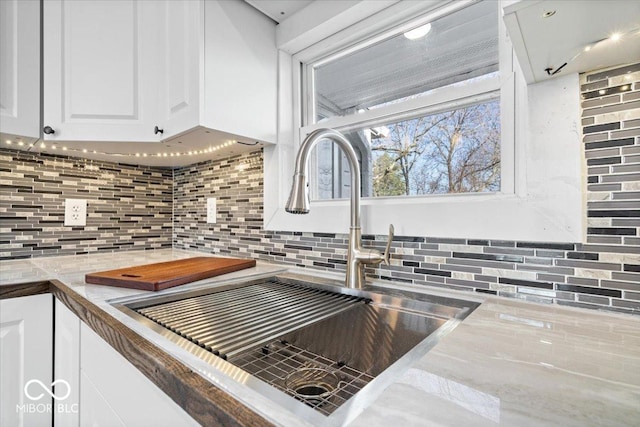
(157, 130)
(48, 130)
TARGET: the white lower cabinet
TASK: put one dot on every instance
(88, 384)
(26, 352)
(96, 411)
(113, 392)
(66, 341)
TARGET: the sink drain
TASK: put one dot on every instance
(314, 386)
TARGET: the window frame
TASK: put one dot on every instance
(436, 101)
(526, 208)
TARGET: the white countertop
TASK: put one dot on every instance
(510, 363)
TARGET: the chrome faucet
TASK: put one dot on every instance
(298, 203)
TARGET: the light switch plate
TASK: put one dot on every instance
(211, 210)
(75, 212)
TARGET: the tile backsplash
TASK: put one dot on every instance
(131, 208)
(603, 273)
(128, 207)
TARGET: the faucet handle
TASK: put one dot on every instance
(387, 250)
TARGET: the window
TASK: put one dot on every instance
(420, 105)
(539, 174)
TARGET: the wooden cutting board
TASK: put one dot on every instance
(163, 275)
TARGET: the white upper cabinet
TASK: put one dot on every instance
(100, 70)
(114, 71)
(219, 71)
(557, 37)
(179, 68)
(240, 71)
(20, 69)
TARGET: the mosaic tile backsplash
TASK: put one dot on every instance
(128, 207)
(603, 273)
(132, 210)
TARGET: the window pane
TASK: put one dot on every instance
(456, 151)
(458, 48)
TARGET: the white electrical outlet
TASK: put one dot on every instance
(211, 210)
(75, 212)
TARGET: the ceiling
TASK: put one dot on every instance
(575, 36)
(279, 10)
(458, 47)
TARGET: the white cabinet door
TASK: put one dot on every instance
(114, 70)
(219, 70)
(241, 71)
(66, 339)
(100, 62)
(109, 384)
(25, 361)
(182, 30)
(20, 69)
(96, 411)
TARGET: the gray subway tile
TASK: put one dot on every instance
(588, 121)
(602, 75)
(616, 284)
(597, 102)
(631, 123)
(594, 265)
(610, 109)
(602, 83)
(630, 295)
(632, 96)
(606, 152)
(485, 278)
(634, 305)
(627, 177)
(626, 168)
(627, 133)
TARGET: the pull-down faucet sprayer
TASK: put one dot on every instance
(298, 203)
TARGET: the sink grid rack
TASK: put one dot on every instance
(273, 362)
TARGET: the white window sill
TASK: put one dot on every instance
(502, 217)
(547, 206)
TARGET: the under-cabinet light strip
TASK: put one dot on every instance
(56, 147)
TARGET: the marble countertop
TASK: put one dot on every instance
(510, 363)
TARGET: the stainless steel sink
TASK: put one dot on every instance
(287, 336)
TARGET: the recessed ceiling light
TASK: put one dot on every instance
(615, 37)
(418, 33)
(548, 13)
